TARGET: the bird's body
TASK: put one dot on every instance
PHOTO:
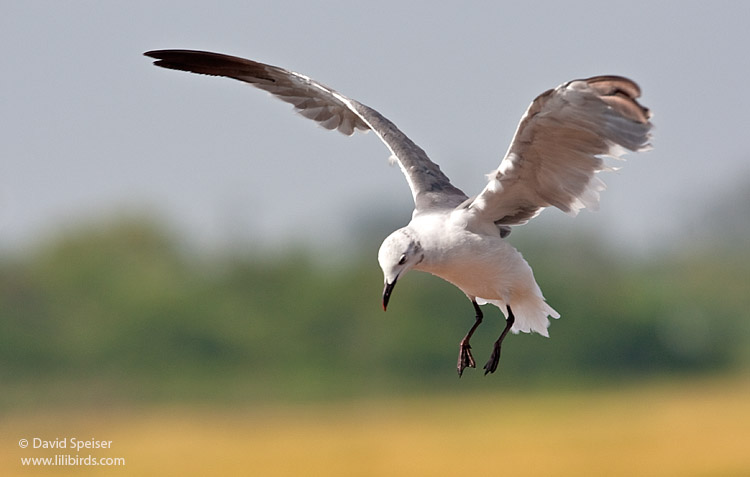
(553, 160)
(482, 264)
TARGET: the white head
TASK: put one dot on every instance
(398, 254)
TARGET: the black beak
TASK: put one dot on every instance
(387, 292)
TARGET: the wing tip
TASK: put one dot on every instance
(620, 93)
(209, 63)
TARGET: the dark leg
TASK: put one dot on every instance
(465, 359)
(491, 365)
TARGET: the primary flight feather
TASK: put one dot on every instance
(553, 160)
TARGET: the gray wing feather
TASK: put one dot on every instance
(332, 110)
(559, 147)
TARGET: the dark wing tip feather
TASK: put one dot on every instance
(196, 57)
(620, 93)
(610, 84)
(208, 63)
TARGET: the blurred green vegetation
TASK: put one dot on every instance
(121, 312)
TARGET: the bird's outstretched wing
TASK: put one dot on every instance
(429, 186)
(559, 147)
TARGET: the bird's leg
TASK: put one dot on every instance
(465, 359)
(491, 365)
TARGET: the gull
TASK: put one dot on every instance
(558, 148)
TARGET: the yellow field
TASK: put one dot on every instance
(687, 429)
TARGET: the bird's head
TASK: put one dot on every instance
(398, 254)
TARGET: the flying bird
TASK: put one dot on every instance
(553, 160)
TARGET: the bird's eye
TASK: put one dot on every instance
(402, 260)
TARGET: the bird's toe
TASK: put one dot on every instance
(465, 359)
(491, 365)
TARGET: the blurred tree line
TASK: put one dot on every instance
(120, 311)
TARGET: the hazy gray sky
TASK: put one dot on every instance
(90, 127)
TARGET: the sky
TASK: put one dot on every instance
(90, 129)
